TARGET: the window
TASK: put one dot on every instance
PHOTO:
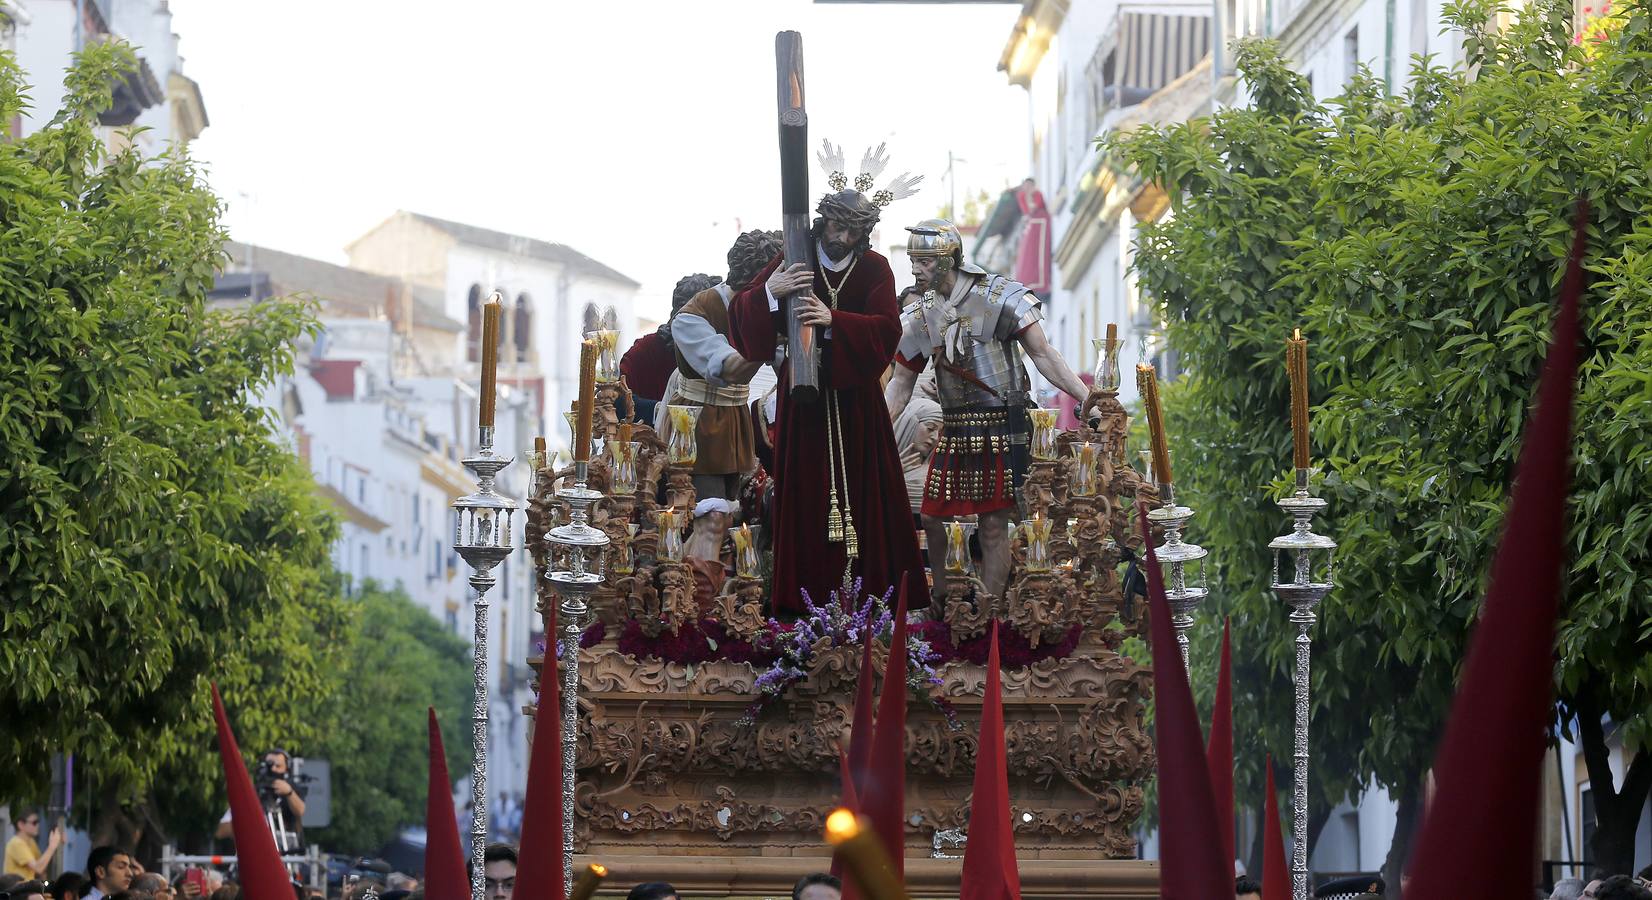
(1350, 55)
(524, 326)
(473, 329)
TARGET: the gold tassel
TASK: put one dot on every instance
(844, 521)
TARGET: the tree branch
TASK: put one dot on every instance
(1593, 739)
(1637, 779)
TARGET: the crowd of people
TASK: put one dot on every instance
(1601, 887)
(114, 874)
(1606, 887)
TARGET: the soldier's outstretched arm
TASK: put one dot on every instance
(899, 391)
(1050, 364)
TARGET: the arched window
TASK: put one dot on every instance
(473, 326)
(592, 319)
(524, 326)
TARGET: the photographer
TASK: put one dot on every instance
(283, 802)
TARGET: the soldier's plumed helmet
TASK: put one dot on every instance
(937, 238)
(850, 208)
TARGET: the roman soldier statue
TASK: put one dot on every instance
(974, 326)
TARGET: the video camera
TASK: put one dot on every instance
(267, 776)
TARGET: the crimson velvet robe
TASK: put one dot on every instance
(865, 329)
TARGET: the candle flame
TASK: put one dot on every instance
(841, 825)
(599, 870)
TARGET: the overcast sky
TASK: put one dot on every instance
(641, 133)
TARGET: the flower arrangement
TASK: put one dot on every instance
(841, 622)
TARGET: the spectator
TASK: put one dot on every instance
(400, 881)
(1644, 876)
(499, 871)
(1567, 889)
(27, 890)
(24, 858)
(9, 880)
(653, 890)
(1621, 887)
(67, 887)
(1246, 889)
(153, 884)
(109, 869)
(818, 886)
(227, 892)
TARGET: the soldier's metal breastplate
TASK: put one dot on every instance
(989, 371)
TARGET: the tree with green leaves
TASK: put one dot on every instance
(399, 662)
(156, 537)
(1418, 240)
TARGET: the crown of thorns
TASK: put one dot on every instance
(872, 164)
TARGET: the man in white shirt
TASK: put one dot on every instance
(712, 374)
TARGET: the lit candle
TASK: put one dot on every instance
(490, 358)
(855, 840)
(1148, 383)
(589, 880)
(1296, 367)
(587, 400)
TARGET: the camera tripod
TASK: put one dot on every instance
(276, 816)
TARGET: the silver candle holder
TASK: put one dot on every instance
(1184, 595)
(482, 536)
(578, 556)
(1309, 553)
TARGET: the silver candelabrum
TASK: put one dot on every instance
(1309, 553)
(483, 536)
(1184, 595)
(578, 555)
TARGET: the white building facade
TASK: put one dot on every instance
(1105, 67)
(383, 407)
(154, 107)
(552, 293)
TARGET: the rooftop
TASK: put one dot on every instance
(526, 246)
(343, 290)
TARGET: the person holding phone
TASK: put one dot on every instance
(23, 854)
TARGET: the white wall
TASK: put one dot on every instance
(44, 47)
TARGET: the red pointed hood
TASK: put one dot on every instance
(257, 860)
(539, 861)
(1484, 818)
(1276, 871)
(861, 729)
(1190, 858)
(444, 854)
(884, 795)
(990, 871)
